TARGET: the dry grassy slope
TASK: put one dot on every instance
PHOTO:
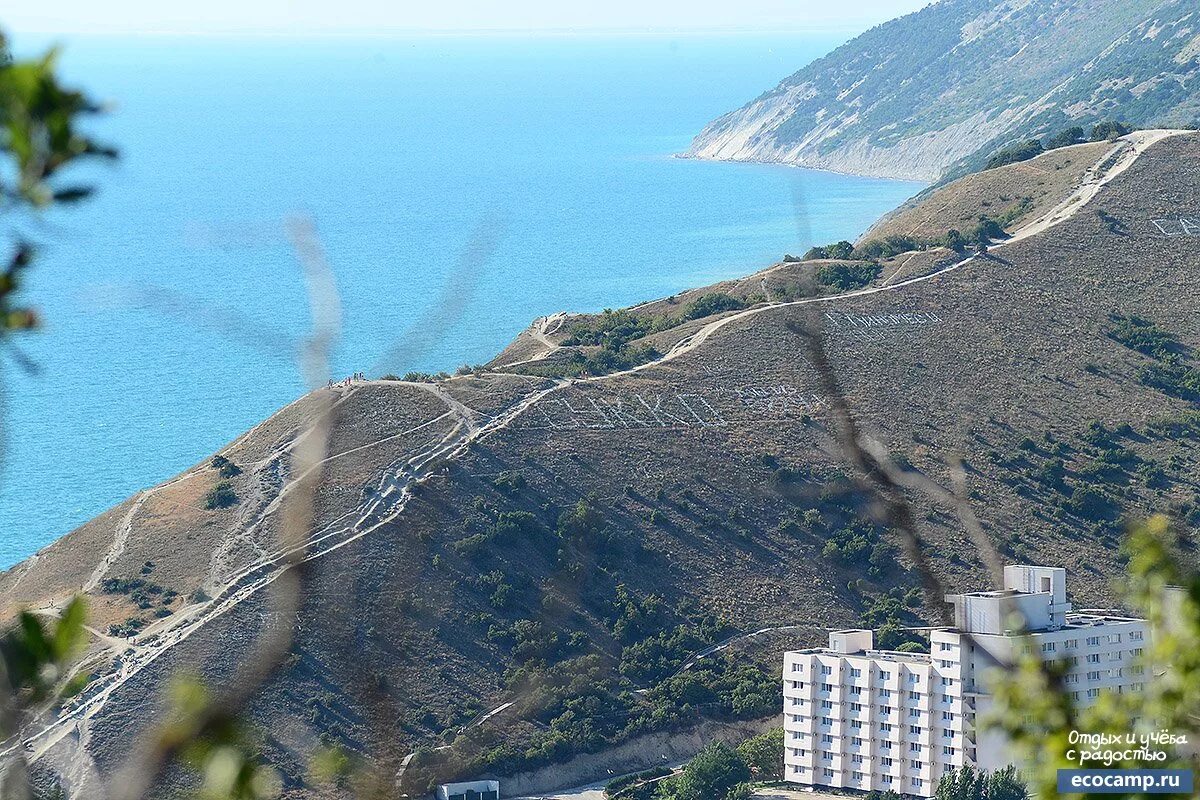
(1045, 180)
(782, 281)
(391, 644)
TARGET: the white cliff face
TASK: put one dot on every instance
(922, 157)
(948, 85)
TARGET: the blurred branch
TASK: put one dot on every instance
(870, 472)
(209, 724)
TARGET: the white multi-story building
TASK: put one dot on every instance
(860, 718)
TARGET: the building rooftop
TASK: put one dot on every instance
(881, 655)
(1090, 620)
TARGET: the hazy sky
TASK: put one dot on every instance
(383, 16)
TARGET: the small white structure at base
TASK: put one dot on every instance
(472, 790)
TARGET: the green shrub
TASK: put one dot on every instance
(220, 496)
(1067, 137)
(1015, 153)
(848, 276)
(763, 754)
(1173, 378)
(712, 303)
(509, 481)
(225, 468)
(838, 250)
(887, 247)
(1109, 130)
(711, 774)
(1143, 336)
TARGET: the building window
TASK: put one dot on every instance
(856, 707)
(826, 721)
(948, 716)
(885, 710)
(948, 751)
(914, 747)
(1135, 636)
(915, 765)
(855, 725)
(828, 773)
(826, 670)
(1093, 641)
(1094, 675)
(887, 778)
(947, 734)
(914, 729)
(944, 646)
(914, 713)
(1093, 693)
(914, 695)
(887, 762)
(1115, 638)
(1137, 651)
(884, 694)
(886, 727)
(946, 699)
(855, 691)
(827, 705)
(1093, 658)
(855, 673)
(797, 667)
(1071, 644)
(856, 741)
(885, 676)
(858, 776)
(885, 745)
(856, 758)
(1048, 647)
(914, 677)
(826, 738)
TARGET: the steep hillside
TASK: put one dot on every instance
(946, 86)
(567, 545)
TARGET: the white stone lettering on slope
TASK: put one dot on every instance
(1177, 226)
(782, 397)
(687, 410)
(872, 327)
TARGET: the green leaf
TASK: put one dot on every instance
(36, 643)
(69, 635)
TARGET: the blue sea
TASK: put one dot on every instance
(172, 299)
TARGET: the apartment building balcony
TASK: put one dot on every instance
(837, 730)
(809, 759)
(800, 723)
(953, 670)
